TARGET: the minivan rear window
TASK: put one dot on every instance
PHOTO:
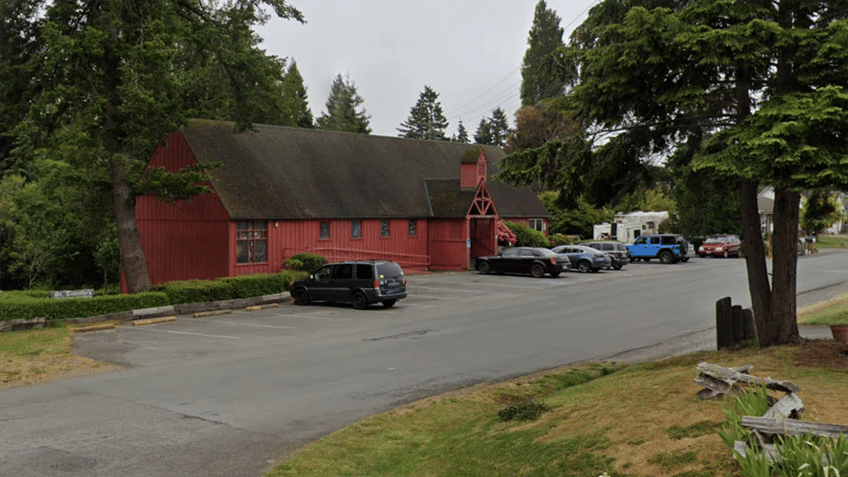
(389, 269)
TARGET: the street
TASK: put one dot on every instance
(235, 394)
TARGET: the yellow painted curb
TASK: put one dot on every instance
(103, 326)
(150, 321)
(261, 307)
(211, 313)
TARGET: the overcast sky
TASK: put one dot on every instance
(468, 51)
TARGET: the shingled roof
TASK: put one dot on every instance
(280, 172)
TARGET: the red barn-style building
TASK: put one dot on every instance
(279, 191)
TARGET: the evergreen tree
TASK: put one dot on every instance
(539, 78)
(426, 120)
(764, 83)
(295, 110)
(461, 133)
(493, 131)
(342, 113)
(112, 83)
(483, 135)
(498, 127)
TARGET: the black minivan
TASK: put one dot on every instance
(360, 282)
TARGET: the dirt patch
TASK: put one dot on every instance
(19, 371)
(822, 354)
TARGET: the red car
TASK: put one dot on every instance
(720, 246)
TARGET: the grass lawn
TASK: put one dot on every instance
(637, 420)
(36, 356)
(831, 241)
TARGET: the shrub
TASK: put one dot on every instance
(306, 262)
(523, 411)
(528, 237)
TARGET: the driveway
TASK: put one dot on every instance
(233, 395)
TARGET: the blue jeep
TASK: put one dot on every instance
(668, 248)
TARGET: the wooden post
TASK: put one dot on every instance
(738, 325)
(749, 324)
(724, 323)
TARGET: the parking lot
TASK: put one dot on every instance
(431, 296)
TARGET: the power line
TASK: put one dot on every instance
(503, 97)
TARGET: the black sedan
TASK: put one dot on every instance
(535, 261)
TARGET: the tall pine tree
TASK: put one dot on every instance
(493, 131)
(342, 109)
(461, 133)
(296, 110)
(539, 78)
(426, 120)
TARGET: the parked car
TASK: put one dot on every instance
(360, 283)
(617, 251)
(585, 259)
(724, 245)
(668, 248)
(536, 261)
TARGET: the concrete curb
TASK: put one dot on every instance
(204, 308)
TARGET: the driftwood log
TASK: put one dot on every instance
(718, 380)
(772, 426)
(781, 417)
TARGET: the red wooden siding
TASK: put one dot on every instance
(448, 244)
(188, 240)
(296, 236)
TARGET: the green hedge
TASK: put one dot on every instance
(26, 307)
(306, 262)
(16, 305)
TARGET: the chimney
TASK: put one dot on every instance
(472, 169)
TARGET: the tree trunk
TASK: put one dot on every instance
(132, 256)
(782, 324)
(755, 257)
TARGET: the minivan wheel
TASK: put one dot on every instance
(359, 301)
(389, 303)
(484, 268)
(584, 267)
(301, 296)
(537, 271)
(666, 257)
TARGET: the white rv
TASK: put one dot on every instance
(626, 227)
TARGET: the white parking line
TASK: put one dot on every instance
(442, 288)
(187, 333)
(250, 324)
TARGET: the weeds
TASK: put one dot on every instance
(525, 411)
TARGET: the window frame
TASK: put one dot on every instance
(355, 229)
(385, 228)
(412, 228)
(251, 236)
(324, 230)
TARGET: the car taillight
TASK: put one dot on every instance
(553, 260)
(376, 284)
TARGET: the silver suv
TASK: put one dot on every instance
(617, 251)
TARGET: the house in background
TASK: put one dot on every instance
(279, 191)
